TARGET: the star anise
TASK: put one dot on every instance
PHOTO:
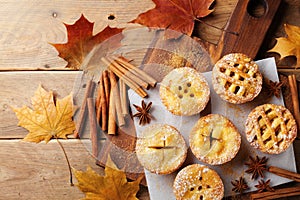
(239, 185)
(143, 113)
(273, 87)
(264, 186)
(257, 166)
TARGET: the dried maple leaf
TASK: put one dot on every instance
(81, 41)
(113, 185)
(177, 15)
(48, 119)
(289, 46)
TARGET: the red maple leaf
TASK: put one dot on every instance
(177, 15)
(81, 41)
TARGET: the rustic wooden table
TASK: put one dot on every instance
(39, 171)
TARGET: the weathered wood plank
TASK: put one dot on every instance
(27, 28)
(39, 171)
(17, 88)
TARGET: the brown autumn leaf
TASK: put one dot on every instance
(177, 15)
(48, 119)
(290, 45)
(112, 186)
(81, 41)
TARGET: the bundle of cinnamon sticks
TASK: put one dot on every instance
(111, 101)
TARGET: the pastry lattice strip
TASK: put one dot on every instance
(236, 75)
(273, 128)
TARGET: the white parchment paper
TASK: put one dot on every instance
(160, 186)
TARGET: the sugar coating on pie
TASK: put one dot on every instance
(271, 128)
(236, 78)
(161, 149)
(196, 182)
(184, 91)
(214, 139)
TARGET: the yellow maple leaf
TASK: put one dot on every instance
(112, 186)
(290, 45)
(48, 119)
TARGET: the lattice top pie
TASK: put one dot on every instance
(184, 91)
(198, 182)
(236, 78)
(271, 128)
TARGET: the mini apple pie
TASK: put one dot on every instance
(184, 91)
(196, 182)
(161, 149)
(271, 128)
(236, 78)
(214, 139)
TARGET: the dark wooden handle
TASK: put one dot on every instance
(250, 29)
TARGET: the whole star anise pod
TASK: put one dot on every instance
(273, 87)
(239, 185)
(264, 186)
(143, 113)
(257, 166)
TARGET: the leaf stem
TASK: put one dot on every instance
(67, 159)
(222, 29)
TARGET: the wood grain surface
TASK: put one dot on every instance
(39, 171)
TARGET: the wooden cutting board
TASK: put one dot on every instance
(245, 32)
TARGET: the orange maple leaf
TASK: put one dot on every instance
(113, 185)
(177, 15)
(81, 41)
(290, 45)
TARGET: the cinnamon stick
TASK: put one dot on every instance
(152, 82)
(103, 104)
(294, 92)
(79, 124)
(127, 81)
(123, 97)
(98, 100)
(128, 73)
(106, 85)
(117, 101)
(111, 115)
(278, 193)
(284, 173)
(93, 126)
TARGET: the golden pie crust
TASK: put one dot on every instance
(184, 91)
(161, 149)
(196, 182)
(214, 139)
(271, 128)
(236, 78)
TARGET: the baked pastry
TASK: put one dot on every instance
(161, 149)
(271, 128)
(214, 139)
(196, 182)
(236, 78)
(184, 91)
